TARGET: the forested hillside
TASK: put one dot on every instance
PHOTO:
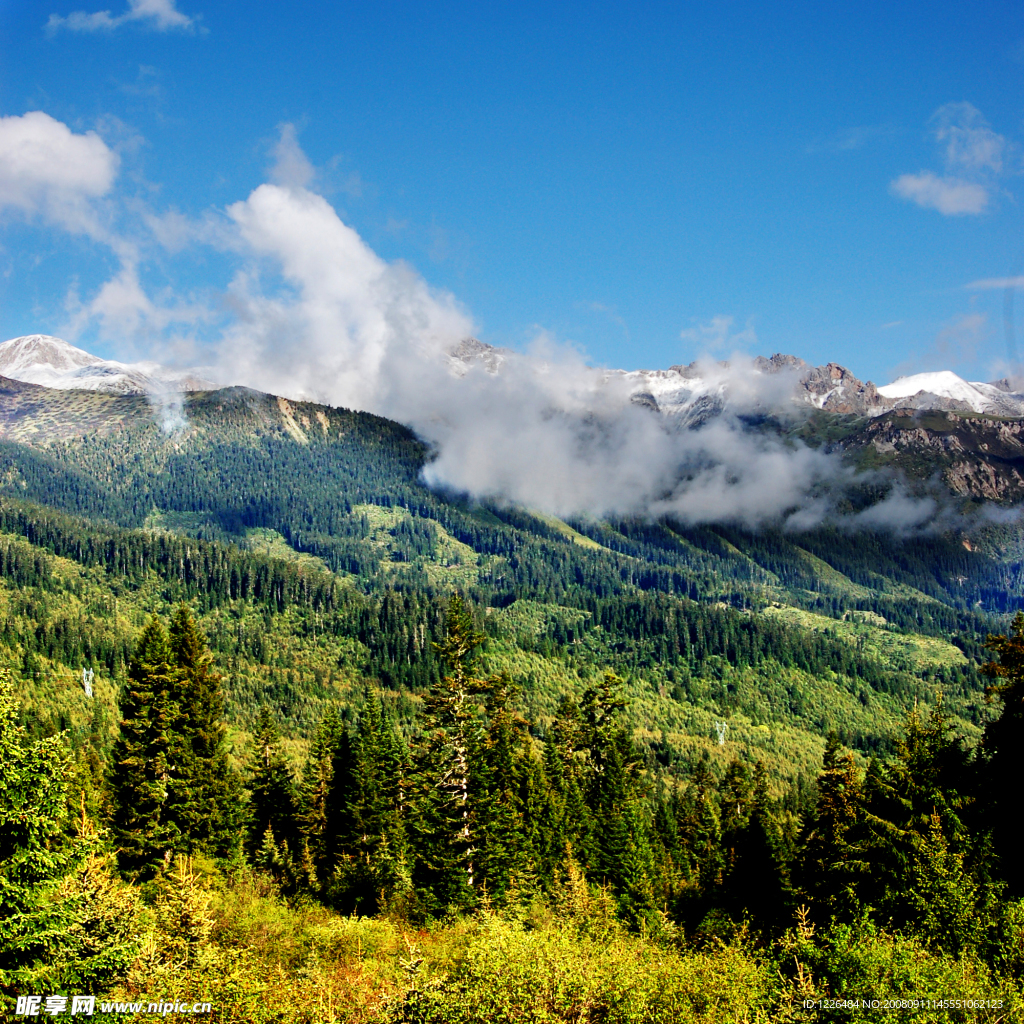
(646, 728)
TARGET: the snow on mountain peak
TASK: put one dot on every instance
(53, 363)
(946, 385)
(943, 383)
(41, 356)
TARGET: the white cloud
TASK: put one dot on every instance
(159, 15)
(970, 142)
(849, 139)
(717, 333)
(346, 311)
(47, 169)
(950, 196)
(126, 315)
(546, 430)
(996, 284)
(291, 166)
(974, 157)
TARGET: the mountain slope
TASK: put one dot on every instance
(700, 621)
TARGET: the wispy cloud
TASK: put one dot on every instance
(157, 15)
(970, 144)
(848, 139)
(291, 165)
(995, 284)
(974, 158)
(717, 334)
(961, 338)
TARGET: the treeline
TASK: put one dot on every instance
(483, 801)
(399, 626)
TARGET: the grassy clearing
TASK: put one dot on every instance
(908, 651)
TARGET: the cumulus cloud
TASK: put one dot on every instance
(541, 428)
(950, 196)
(47, 169)
(158, 15)
(348, 323)
(974, 157)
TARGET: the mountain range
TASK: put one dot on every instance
(931, 426)
(677, 391)
(320, 563)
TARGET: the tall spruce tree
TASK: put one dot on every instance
(368, 798)
(927, 786)
(616, 795)
(204, 801)
(758, 884)
(443, 830)
(700, 827)
(505, 790)
(320, 812)
(172, 786)
(272, 794)
(142, 759)
(566, 768)
(830, 864)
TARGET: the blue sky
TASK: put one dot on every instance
(647, 182)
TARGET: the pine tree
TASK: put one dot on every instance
(329, 757)
(565, 769)
(503, 789)
(272, 793)
(927, 785)
(368, 797)
(204, 801)
(757, 884)
(616, 795)
(443, 830)
(142, 760)
(700, 828)
(829, 864)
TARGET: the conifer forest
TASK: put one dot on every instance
(286, 732)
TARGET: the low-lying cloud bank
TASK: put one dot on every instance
(541, 428)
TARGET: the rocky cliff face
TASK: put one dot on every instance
(975, 456)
